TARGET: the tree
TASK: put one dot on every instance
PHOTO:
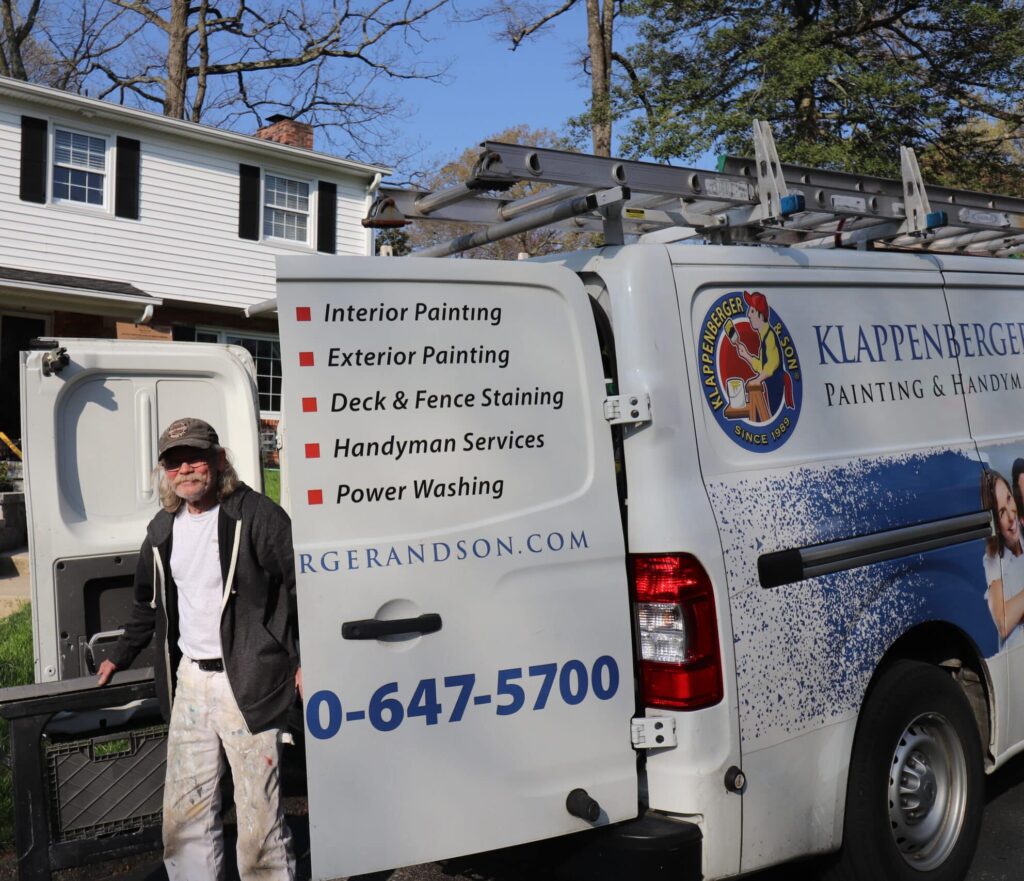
(524, 20)
(218, 63)
(844, 84)
(16, 37)
(534, 242)
(396, 239)
(56, 43)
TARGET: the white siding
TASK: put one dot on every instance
(185, 245)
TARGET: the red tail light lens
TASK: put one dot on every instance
(680, 658)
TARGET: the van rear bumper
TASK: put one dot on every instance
(654, 847)
(652, 831)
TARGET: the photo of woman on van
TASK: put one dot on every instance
(1004, 556)
(1017, 484)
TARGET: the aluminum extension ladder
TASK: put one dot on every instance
(756, 200)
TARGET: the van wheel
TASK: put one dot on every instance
(914, 798)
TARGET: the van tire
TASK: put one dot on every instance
(917, 723)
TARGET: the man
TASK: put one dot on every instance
(216, 583)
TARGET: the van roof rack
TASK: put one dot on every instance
(757, 200)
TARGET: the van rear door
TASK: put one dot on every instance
(463, 600)
(90, 428)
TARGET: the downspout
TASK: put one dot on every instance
(370, 193)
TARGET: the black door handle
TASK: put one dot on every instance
(371, 628)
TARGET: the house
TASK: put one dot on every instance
(120, 223)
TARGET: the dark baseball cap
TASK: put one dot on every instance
(188, 433)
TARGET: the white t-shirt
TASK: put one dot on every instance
(195, 566)
(1010, 570)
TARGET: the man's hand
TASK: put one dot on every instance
(298, 682)
(107, 669)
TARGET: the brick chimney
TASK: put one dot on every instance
(285, 130)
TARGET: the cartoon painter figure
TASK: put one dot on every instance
(770, 384)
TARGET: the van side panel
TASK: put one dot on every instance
(838, 423)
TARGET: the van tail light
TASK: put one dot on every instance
(680, 658)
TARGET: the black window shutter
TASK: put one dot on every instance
(249, 202)
(33, 159)
(327, 218)
(126, 179)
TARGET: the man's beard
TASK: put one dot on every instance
(199, 485)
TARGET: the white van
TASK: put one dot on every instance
(715, 537)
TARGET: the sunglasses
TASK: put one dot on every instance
(195, 460)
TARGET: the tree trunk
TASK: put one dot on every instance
(11, 63)
(805, 103)
(177, 59)
(599, 41)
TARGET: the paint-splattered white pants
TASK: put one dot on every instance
(206, 725)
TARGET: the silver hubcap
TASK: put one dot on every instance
(927, 791)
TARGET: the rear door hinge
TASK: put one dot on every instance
(653, 732)
(624, 409)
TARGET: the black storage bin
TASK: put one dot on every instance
(107, 784)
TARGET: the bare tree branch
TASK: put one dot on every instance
(638, 90)
(142, 9)
(517, 30)
(15, 36)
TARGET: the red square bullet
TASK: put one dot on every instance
(309, 405)
(315, 496)
(306, 359)
(302, 313)
(312, 451)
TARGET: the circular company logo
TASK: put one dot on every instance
(750, 371)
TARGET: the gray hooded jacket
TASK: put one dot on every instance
(258, 622)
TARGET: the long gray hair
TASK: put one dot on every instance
(227, 483)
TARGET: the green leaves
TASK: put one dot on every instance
(844, 84)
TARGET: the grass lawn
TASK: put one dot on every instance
(15, 669)
(272, 483)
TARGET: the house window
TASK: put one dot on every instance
(266, 353)
(79, 167)
(285, 209)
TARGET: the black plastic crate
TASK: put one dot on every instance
(106, 784)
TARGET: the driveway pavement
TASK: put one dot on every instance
(1000, 853)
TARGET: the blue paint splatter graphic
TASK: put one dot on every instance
(805, 652)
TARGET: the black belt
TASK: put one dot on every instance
(209, 665)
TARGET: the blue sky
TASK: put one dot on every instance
(490, 88)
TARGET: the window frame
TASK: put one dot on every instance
(109, 140)
(222, 334)
(308, 243)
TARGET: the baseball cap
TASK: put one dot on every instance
(756, 300)
(187, 433)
